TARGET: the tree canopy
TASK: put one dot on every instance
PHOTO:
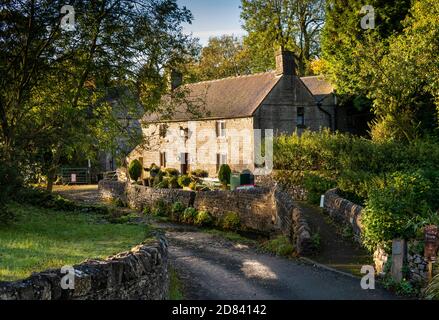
(54, 89)
(286, 24)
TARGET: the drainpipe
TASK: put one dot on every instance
(319, 105)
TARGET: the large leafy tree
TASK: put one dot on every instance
(223, 56)
(393, 65)
(286, 24)
(55, 82)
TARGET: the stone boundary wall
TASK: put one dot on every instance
(110, 190)
(255, 207)
(140, 274)
(291, 222)
(298, 193)
(139, 196)
(261, 209)
(344, 211)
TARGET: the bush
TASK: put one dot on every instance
(147, 211)
(177, 211)
(193, 185)
(173, 182)
(203, 219)
(315, 186)
(171, 172)
(184, 181)
(154, 170)
(160, 208)
(189, 215)
(393, 205)
(163, 184)
(432, 291)
(158, 179)
(231, 221)
(224, 174)
(135, 170)
(280, 246)
(200, 173)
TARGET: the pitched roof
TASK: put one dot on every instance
(318, 86)
(234, 97)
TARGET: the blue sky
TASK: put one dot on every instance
(213, 18)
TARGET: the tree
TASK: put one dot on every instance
(224, 56)
(286, 24)
(55, 83)
(394, 65)
(135, 170)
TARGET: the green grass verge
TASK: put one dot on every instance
(280, 246)
(175, 286)
(43, 238)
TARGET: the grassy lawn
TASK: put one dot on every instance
(41, 239)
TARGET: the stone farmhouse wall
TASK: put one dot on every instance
(201, 144)
(141, 274)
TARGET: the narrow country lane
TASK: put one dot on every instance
(211, 267)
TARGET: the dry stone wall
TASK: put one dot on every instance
(254, 207)
(141, 274)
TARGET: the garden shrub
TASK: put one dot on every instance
(173, 182)
(154, 170)
(231, 221)
(316, 185)
(135, 170)
(203, 219)
(184, 181)
(158, 179)
(189, 215)
(224, 174)
(193, 185)
(163, 184)
(147, 210)
(171, 172)
(393, 205)
(160, 208)
(177, 211)
(200, 173)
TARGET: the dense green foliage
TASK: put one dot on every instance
(397, 182)
(287, 25)
(184, 181)
(231, 221)
(394, 66)
(135, 170)
(56, 85)
(280, 246)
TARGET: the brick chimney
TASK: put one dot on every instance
(285, 63)
(176, 79)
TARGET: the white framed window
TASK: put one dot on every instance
(221, 129)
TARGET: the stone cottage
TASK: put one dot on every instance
(224, 120)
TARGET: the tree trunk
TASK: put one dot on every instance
(51, 175)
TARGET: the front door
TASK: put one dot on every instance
(184, 163)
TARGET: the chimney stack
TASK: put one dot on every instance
(176, 79)
(285, 63)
